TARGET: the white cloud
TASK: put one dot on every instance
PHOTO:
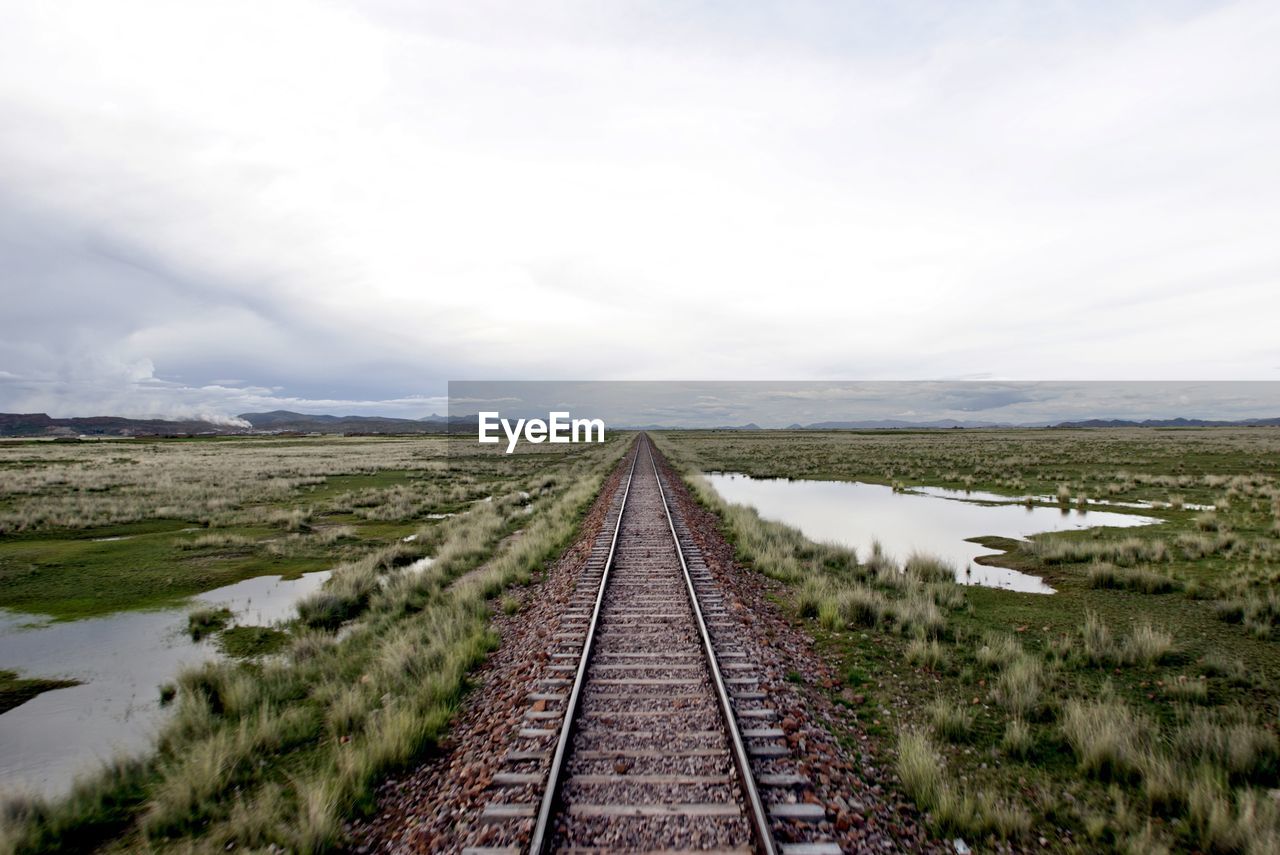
(354, 202)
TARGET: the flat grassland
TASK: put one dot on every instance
(93, 527)
(1134, 710)
(277, 744)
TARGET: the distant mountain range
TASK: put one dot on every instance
(283, 421)
(898, 424)
(40, 424)
(278, 421)
(1166, 423)
(891, 424)
(751, 426)
(948, 424)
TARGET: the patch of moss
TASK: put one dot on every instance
(244, 642)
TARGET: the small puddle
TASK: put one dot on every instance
(262, 600)
(927, 520)
(121, 660)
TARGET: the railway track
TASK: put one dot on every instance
(651, 731)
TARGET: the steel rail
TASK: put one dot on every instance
(540, 843)
(759, 819)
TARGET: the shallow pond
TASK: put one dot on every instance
(121, 660)
(930, 520)
(981, 496)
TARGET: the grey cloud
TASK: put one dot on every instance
(421, 191)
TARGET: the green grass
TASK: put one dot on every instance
(74, 577)
(951, 720)
(1018, 687)
(207, 621)
(1109, 739)
(244, 642)
(953, 807)
(102, 527)
(1018, 740)
(926, 653)
(1139, 579)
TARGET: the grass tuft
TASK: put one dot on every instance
(952, 720)
(1106, 736)
(1017, 688)
(1140, 579)
(925, 653)
(1018, 740)
(952, 808)
(207, 621)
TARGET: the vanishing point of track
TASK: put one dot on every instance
(651, 732)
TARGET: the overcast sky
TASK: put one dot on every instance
(779, 404)
(338, 207)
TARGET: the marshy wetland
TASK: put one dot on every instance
(255, 631)
(114, 665)
(1136, 709)
(875, 519)
(302, 616)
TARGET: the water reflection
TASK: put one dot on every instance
(982, 496)
(121, 659)
(856, 515)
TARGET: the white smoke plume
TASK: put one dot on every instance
(220, 420)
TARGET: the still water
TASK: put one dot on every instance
(931, 520)
(121, 660)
